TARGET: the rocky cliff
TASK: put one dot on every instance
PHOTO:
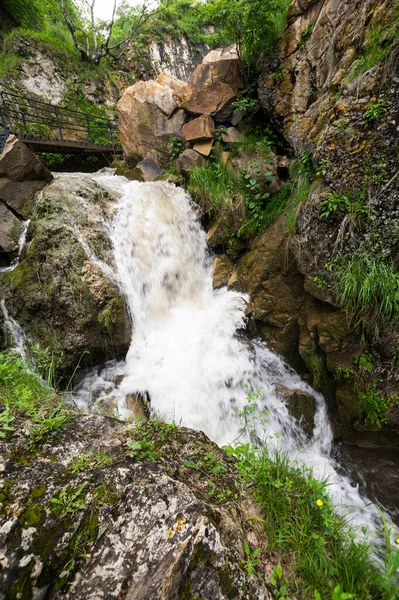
(331, 88)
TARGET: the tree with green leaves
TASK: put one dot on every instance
(92, 37)
(251, 24)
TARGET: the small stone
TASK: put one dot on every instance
(203, 148)
(231, 136)
(189, 160)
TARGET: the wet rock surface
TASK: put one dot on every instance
(130, 528)
(63, 291)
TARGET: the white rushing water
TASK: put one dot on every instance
(186, 351)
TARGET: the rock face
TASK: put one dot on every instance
(149, 116)
(62, 292)
(137, 529)
(22, 176)
(330, 98)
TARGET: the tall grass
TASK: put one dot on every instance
(213, 184)
(301, 178)
(369, 289)
(304, 531)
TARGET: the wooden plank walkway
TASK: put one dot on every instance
(48, 128)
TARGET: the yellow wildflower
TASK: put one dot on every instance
(319, 502)
(397, 541)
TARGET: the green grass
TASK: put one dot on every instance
(369, 289)
(305, 533)
(26, 395)
(9, 63)
(213, 184)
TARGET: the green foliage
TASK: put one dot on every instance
(253, 26)
(305, 35)
(47, 422)
(375, 111)
(368, 288)
(279, 583)
(176, 148)
(251, 560)
(90, 462)
(6, 418)
(339, 204)
(303, 529)
(375, 406)
(378, 43)
(149, 437)
(333, 204)
(214, 184)
(69, 500)
(246, 104)
(365, 362)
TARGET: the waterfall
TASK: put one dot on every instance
(14, 331)
(186, 350)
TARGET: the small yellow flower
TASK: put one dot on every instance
(397, 541)
(393, 526)
(319, 502)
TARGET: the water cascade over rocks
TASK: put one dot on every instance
(187, 353)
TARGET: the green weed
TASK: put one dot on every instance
(90, 461)
(69, 500)
(369, 289)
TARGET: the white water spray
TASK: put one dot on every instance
(186, 351)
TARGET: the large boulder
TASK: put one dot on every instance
(9, 231)
(221, 65)
(18, 163)
(83, 519)
(22, 176)
(63, 292)
(149, 116)
(215, 100)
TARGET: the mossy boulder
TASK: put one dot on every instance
(127, 527)
(64, 291)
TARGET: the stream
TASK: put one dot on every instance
(189, 352)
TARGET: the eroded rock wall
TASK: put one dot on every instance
(332, 89)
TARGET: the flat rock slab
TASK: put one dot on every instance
(203, 148)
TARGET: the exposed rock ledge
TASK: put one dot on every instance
(137, 530)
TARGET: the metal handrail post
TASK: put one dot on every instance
(58, 123)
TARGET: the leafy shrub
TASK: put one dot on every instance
(375, 111)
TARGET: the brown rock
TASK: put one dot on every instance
(18, 163)
(188, 161)
(9, 229)
(179, 88)
(201, 128)
(203, 148)
(301, 405)
(236, 117)
(146, 170)
(222, 270)
(224, 71)
(137, 404)
(231, 136)
(215, 100)
(218, 54)
(20, 195)
(149, 116)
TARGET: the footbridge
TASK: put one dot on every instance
(48, 128)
